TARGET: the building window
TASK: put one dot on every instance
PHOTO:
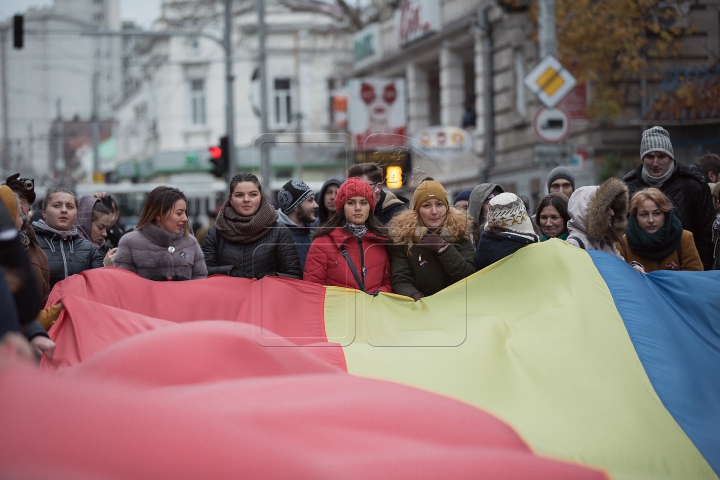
(282, 102)
(197, 102)
(98, 16)
(520, 96)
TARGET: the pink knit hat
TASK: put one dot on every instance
(354, 187)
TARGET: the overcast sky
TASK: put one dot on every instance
(142, 12)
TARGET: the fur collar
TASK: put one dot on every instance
(406, 228)
(611, 194)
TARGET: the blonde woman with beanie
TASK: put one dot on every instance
(507, 230)
(432, 247)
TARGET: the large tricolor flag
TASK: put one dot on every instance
(552, 363)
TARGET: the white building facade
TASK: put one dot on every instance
(52, 77)
(178, 110)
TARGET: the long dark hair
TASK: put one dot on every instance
(557, 200)
(159, 204)
(244, 177)
(338, 221)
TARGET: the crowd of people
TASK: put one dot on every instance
(661, 216)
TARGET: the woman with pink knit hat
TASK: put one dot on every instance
(350, 249)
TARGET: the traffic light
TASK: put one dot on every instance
(219, 158)
(18, 31)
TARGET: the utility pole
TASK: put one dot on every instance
(546, 26)
(262, 67)
(5, 164)
(95, 125)
(59, 146)
(229, 102)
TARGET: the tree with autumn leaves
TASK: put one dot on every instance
(611, 43)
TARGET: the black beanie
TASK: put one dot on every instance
(292, 194)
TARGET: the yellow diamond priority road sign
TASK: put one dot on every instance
(550, 81)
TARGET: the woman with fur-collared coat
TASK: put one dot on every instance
(598, 216)
(432, 244)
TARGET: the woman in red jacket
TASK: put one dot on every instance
(349, 250)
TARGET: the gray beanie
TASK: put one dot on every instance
(561, 172)
(656, 139)
(292, 194)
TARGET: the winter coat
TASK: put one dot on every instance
(389, 206)
(477, 198)
(494, 247)
(301, 236)
(326, 264)
(39, 264)
(692, 203)
(716, 243)
(588, 227)
(66, 252)
(686, 256)
(153, 251)
(273, 254)
(416, 269)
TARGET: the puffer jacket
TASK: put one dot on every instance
(420, 270)
(692, 204)
(326, 264)
(494, 247)
(66, 252)
(273, 254)
(588, 227)
(301, 235)
(153, 251)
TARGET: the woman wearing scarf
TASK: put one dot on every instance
(432, 244)
(93, 221)
(654, 237)
(66, 251)
(349, 250)
(247, 240)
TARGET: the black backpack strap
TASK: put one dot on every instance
(580, 242)
(359, 280)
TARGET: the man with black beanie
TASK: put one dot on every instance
(297, 212)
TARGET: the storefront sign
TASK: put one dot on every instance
(445, 142)
(415, 19)
(368, 47)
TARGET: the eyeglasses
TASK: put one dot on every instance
(27, 183)
(374, 186)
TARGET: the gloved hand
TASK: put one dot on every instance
(178, 278)
(432, 242)
(158, 278)
(416, 296)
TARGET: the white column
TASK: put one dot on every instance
(418, 98)
(452, 87)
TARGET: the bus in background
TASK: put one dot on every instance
(203, 191)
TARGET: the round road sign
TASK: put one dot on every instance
(551, 125)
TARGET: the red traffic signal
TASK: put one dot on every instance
(219, 158)
(215, 152)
